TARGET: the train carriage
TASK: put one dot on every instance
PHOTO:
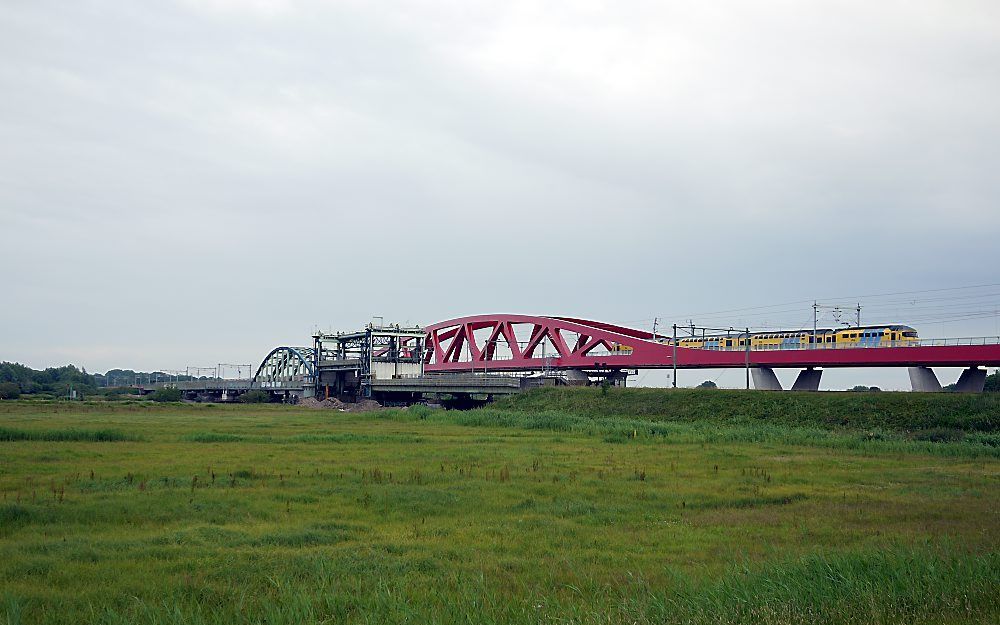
(890, 335)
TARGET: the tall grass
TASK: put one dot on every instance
(622, 429)
(872, 586)
(260, 514)
(896, 411)
(94, 436)
(343, 438)
(901, 585)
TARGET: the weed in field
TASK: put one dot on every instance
(753, 521)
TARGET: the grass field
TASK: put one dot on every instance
(554, 507)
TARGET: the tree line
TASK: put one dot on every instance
(17, 379)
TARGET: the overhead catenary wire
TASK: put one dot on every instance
(937, 308)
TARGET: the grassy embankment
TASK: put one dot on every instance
(557, 506)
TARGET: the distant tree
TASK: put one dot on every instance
(858, 389)
(166, 394)
(55, 380)
(993, 382)
(708, 384)
(874, 389)
(255, 396)
(9, 390)
(950, 388)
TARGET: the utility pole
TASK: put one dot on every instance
(655, 320)
(746, 340)
(675, 355)
(858, 310)
(815, 316)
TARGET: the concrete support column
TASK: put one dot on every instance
(972, 380)
(923, 380)
(764, 379)
(808, 380)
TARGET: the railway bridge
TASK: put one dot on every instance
(517, 343)
(478, 358)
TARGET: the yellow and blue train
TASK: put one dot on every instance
(893, 335)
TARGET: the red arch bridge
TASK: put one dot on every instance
(578, 347)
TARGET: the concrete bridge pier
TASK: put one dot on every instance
(923, 380)
(972, 380)
(764, 379)
(808, 380)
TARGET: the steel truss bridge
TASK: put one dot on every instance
(408, 363)
(519, 343)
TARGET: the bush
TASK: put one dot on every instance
(992, 384)
(708, 384)
(9, 390)
(255, 396)
(939, 435)
(165, 394)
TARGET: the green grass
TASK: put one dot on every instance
(64, 434)
(897, 411)
(535, 510)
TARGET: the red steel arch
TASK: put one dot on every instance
(508, 342)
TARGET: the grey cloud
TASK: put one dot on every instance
(197, 180)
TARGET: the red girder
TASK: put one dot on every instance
(447, 341)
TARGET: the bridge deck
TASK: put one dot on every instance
(661, 357)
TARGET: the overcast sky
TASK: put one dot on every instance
(186, 183)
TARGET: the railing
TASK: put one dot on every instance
(973, 340)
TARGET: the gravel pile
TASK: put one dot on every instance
(332, 403)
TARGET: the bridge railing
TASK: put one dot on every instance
(971, 340)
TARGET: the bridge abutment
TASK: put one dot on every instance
(808, 380)
(923, 380)
(764, 379)
(972, 380)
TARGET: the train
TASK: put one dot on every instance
(890, 335)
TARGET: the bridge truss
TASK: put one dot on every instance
(286, 366)
(525, 343)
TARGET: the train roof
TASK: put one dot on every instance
(891, 326)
